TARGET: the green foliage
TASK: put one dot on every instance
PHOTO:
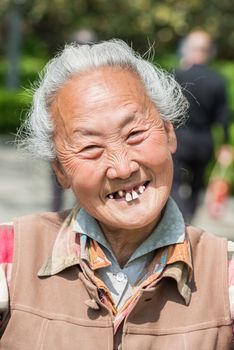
(14, 104)
(226, 68)
(167, 61)
(164, 22)
(231, 135)
(12, 110)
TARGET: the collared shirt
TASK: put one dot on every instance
(73, 247)
(122, 282)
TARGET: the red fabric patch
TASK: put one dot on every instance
(6, 243)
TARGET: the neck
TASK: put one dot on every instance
(124, 242)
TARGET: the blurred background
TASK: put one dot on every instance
(32, 31)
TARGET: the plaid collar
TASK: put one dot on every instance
(170, 230)
(170, 261)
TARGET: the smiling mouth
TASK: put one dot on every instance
(130, 194)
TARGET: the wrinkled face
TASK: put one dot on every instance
(113, 149)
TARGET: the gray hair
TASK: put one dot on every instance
(36, 133)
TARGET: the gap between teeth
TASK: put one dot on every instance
(129, 196)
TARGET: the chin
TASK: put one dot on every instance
(133, 222)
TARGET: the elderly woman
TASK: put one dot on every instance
(121, 270)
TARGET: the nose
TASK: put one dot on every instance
(122, 168)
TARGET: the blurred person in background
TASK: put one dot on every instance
(81, 36)
(205, 90)
(121, 270)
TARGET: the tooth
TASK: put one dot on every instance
(121, 193)
(111, 196)
(134, 195)
(128, 197)
(141, 189)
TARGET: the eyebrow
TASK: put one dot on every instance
(93, 132)
(129, 119)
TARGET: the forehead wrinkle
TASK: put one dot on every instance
(99, 85)
(99, 89)
(101, 93)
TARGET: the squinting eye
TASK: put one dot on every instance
(136, 136)
(90, 148)
(92, 151)
(135, 133)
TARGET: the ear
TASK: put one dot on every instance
(171, 137)
(61, 174)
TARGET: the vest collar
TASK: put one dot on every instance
(66, 252)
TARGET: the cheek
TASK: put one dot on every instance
(155, 152)
(86, 180)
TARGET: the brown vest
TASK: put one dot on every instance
(59, 312)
